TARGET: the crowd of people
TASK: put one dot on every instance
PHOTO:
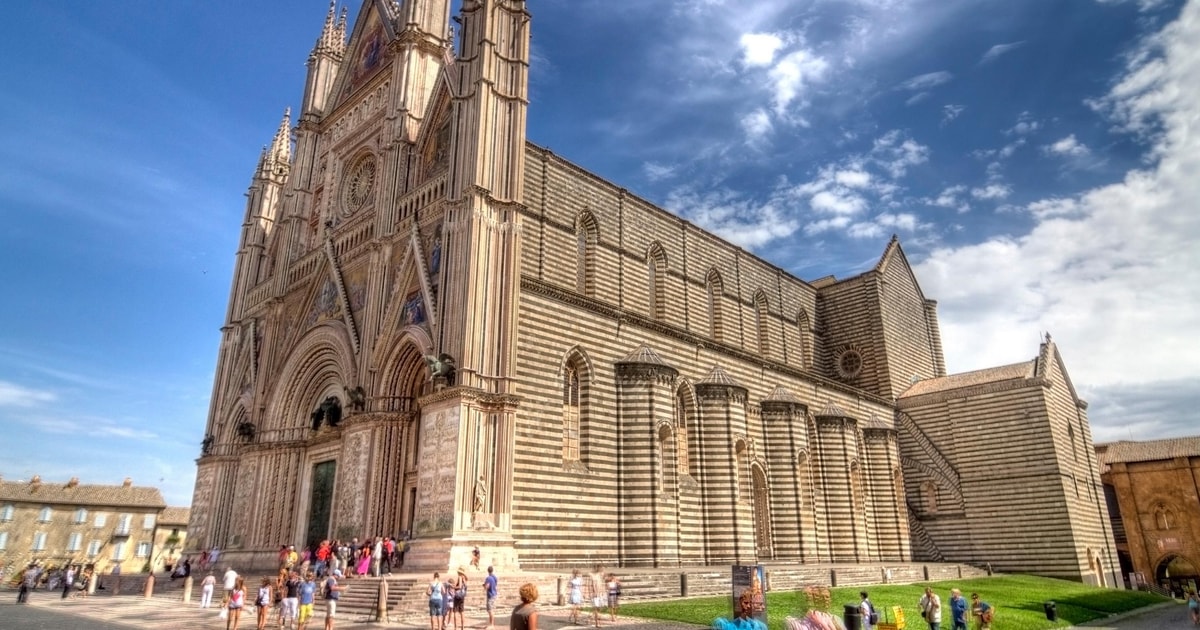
(71, 579)
(288, 600)
(930, 606)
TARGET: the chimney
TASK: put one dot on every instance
(127, 483)
(73, 483)
(36, 482)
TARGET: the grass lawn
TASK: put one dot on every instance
(1018, 600)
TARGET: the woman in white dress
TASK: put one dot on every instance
(575, 595)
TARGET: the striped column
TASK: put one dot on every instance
(728, 522)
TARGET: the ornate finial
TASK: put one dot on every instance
(1048, 337)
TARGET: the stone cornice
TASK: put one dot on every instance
(646, 372)
(506, 402)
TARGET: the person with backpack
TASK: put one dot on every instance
(460, 598)
(333, 592)
(870, 618)
(983, 612)
(436, 600)
(958, 609)
(931, 609)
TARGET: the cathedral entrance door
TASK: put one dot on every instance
(320, 502)
(762, 515)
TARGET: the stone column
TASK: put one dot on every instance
(647, 468)
(786, 437)
(837, 449)
(722, 419)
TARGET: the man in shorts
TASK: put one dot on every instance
(489, 591)
(332, 592)
(308, 592)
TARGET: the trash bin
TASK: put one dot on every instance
(852, 617)
(1051, 610)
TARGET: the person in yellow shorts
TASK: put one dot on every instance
(308, 592)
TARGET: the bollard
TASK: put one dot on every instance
(383, 595)
(833, 578)
(559, 599)
(683, 585)
(116, 585)
(148, 592)
(91, 589)
(187, 589)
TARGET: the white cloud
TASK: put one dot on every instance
(757, 125)
(1100, 270)
(657, 172)
(951, 197)
(834, 202)
(926, 81)
(794, 73)
(1068, 146)
(742, 221)
(991, 191)
(897, 153)
(13, 395)
(917, 98)
(853, 178)
(758, 49)
(1025, 125)
(996, 51)
(950, 112)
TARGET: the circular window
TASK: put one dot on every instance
(359, 183)
(849, 364)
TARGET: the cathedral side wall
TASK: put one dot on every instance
(848, 318)
(563, 515)
(1009, 481)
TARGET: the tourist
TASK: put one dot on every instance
(29, 581)
(277, 594)
(614, 596)
(68, 581)
(435, 593)
(575, 595)
(1193, 602)
(958, 609)
(931, 608)
(291, 599)
(524, 617)
(237, 599)
(376, 556)
(460, 597)
(597, 593)
(982, 611)
(323, 553)
(308, 593)
(229, 582)
(475, 556)
(364, 559)
(865, 608)
(333, 592)
(447, 601)
(263, 602)
(206, 590)
(489, 592)
(389, 550)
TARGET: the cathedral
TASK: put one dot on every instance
(438, 329)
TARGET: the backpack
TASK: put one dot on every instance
(873, 616)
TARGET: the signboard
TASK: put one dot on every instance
(749, 601)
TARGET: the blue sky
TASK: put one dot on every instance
(1040, 162)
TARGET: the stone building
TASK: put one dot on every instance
(104, 525)
(436, 327)
(1154, 502)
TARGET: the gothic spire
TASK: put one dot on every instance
(333, 34)
(281, 145)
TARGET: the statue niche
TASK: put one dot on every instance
(328, 412)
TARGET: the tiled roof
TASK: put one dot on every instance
(832, 411)
(718, 376)
(50, 493)
(875, 422)
(643, 355)
(1148, 451)
(968, 379)
(783, 394)
(175, 516)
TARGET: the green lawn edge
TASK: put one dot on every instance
(1019, 602)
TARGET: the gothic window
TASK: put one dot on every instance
(570, 388)
(656, 263)
(587, 237)
(716, 292)
(762, 314)
(930, 495)
(667, 469)
(681, 433)
(742, 457)
(1164, 518)
(805, 329)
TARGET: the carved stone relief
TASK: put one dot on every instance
(436, 485)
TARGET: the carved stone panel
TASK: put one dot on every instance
(437, 483)
(202, 503)
(352, 490)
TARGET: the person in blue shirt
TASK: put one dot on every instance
(490, 592)
(308, 591)
(958, 609)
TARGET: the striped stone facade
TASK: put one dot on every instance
(438, 328)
